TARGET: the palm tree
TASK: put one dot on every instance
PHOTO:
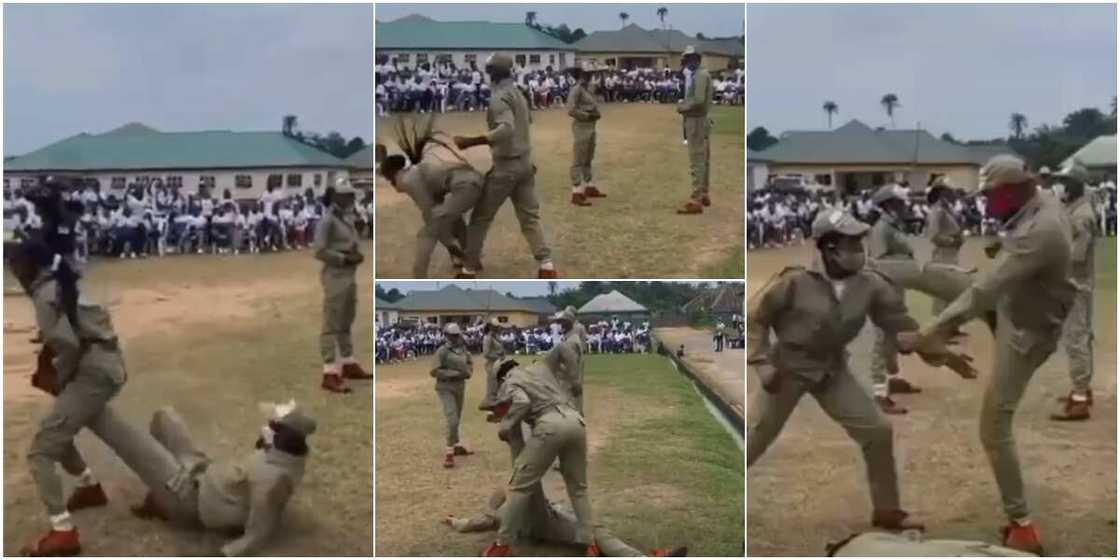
(288, 125)
(830, 108)
(890, 103)
(623, 16)
(1018, 124)
(530, 18)
(661, 13)
(552, 288)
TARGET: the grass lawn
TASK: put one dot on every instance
(640, 163)
(663, 472)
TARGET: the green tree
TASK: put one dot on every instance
(1017, 124)
(890, 103)
(354, 146)
(830, 108)
(392, 296)
(624, 17)
(288, 125)
(531, 19)
(1085, 123)
(661, 13)
(946, 137)
(759, 139)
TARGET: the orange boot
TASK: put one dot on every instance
(55, 543)
(333, 382)
(580, 199)
(591, 191)
(495, 549)
(691, 207)
(670, 551)
(351, 370)
(1022, 537)
(593, 551)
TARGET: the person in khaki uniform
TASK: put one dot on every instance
(814, 314)
(444, 190)
(584, 110)
(887, 242)
(88, 371)
(694, 109)
(566, 358)
(453, 367)
(336, 245)
(493, 351)
(1031, 290)
(943, 229)
(533, 395)
(513, 175)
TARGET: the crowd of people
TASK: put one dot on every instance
(779, 219)
(156, 219)
(404, 342)
(442, 86)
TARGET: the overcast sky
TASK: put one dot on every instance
(955, 68)
(91, 68)
(713, 20)
(520, 289)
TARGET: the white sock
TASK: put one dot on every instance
(349, 360)
(61, 522)
(1079, 397)
(467, 270)
(330, 369)
(547, 265)
(880, 390)
(1022, 522)
(86, 478)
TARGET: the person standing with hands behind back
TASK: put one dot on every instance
(694, 108)
(453, 367)
(336, 245)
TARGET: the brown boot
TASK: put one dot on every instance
(449, 460)
(888, 406)
(462, 451)
(706, 201)
(85, 497)
(149, 509)
(55, 543)
(543, 274)
(580, 199)
(691, 207)
(355, 371)
(591, 191)
(461, 275)
(900, 386)
(1066, 398)
(1073, 411)
(895, 520)
(333, 382)
(1022, 538)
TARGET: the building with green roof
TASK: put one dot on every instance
(636, 47)
(1098, 156)
(242, 162)
(361, 165)
(415, 40)
(855, 157)
(466, 307)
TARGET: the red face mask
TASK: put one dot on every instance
(1003, 202)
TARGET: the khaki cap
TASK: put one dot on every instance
(500, 61)
(888, 192)
(1074, 170)
(452, 328)
(565, 315)
(689, 50)
(838, 221)
(1003, 170)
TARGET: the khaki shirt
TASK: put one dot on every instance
(508, 119)
(566, 361)
(251, 494)
(1029, 284)
(698, 96)
(944, 232)
(1083, 225)
(452, 363)
(335, 238)
(430, 181)
(95, 351)
(887, 241)
(582, 106)
(813, 325)
(532, 392)
(492, 348)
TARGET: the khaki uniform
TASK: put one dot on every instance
(493, 352)
(443, 192)
(947, 236)
(335, 240)
(890, 545)
(813, 327)
(697, 128)
(91, 372)
(886, 242)
(1029, 288)
(1077, 337)
(566, 360)
(584, 111)
(558, 431)
(513, 175)
(453, 367)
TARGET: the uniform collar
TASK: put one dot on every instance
(1029, 209)
(1078, 203)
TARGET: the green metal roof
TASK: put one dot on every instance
(1101, 152)
(138, 147)
(421, 33)
(857, 143)
(633, 38)
(361, 159)
(382, 305)
(454, 298)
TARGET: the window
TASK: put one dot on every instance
(243, 181)
(519, 60)
(534, 59)
(470, 59)
(551, 60)
(206, 181)
(116, 183)
(175, 181)
(823, 179)
(318, 179)
(330, 178)
(503, 319)
(610, 62)
(443, 59)
(143, 180)
(404, 58)
(275, 180)
(295, 180)
(26, 183)
(563, 59)
(421, 58)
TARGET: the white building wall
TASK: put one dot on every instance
(223, 179)
(555, 58)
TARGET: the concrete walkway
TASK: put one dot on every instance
(723, 373)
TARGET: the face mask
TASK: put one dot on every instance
(1003, 202)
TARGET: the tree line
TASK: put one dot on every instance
(332, 142)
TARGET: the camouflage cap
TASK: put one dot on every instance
(888, 192)
(452, 328)
(838, 221)
(1003, 170)
(500, 61)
